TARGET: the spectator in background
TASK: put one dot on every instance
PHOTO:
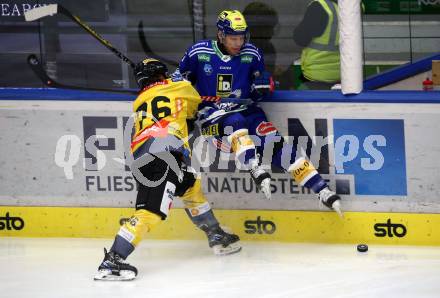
(262, 20)
(263, 24)
(318, 33)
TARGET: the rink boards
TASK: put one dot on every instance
(254, 225)
(379, 150)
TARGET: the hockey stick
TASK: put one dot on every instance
(49, 10)
(218, 99)
(38, 69)
(147, 49)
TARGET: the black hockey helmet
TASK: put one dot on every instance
(149, 71)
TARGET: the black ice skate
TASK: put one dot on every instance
(222, 243)
(261, 178)
(331, 200)
(113, 267)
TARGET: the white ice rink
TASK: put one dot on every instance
(59, 268)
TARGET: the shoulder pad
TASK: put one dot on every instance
(250, 49)
(250, 46)
(203, 46)
(202, 43)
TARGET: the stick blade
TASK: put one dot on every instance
(40, 12)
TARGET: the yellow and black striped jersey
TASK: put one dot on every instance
(162, 109)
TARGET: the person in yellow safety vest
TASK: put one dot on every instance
(318, 33)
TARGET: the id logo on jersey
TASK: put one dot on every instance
(224, 85)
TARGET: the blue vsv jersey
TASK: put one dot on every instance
(216, 74)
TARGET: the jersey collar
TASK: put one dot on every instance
(163, 82)
(223, 57)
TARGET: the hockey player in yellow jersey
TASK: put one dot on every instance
(161, 168)
(163, 108)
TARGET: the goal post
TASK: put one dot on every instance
(350, 46)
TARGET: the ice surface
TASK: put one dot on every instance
(56, 267)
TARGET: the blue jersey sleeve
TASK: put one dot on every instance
(188, 66)
(256, 68)
(258, 64)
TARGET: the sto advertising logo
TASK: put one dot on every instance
(259, 226)
(369, 151)
(389, 229)
(11, 223)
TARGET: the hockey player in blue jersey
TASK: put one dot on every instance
(231, 67)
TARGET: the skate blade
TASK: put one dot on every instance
(337, 207)
(106, 275)
(232, 248)
(265, 188)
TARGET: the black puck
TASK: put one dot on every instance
(362, 247)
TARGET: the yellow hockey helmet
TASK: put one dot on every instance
(232, 22)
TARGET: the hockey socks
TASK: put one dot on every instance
(133, 230)
(243, 147)
(305, 174)
(247, 158)
(202, 216)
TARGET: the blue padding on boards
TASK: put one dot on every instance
(277, 96)
(399, 73)
(363, 97)
(61, 94)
